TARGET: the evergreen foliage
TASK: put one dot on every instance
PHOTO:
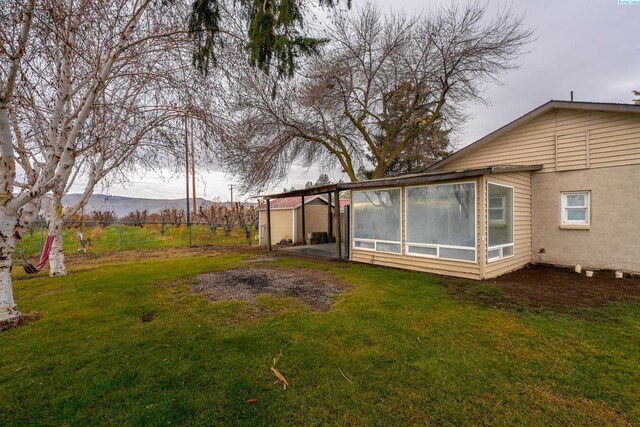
(275, 34)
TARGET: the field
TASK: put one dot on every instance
(118, 237)
(125, 342)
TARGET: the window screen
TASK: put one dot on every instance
(443, 217)
(500, 214)
(377, 220)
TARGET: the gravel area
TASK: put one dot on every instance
(313, 287)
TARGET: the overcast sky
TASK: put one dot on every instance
(589, 46)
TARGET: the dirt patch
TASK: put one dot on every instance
(24, 320)
(147, 317)
(548, 287)
(313, 287)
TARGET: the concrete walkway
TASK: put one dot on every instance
(323, 250)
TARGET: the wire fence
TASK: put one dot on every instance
(96, 237)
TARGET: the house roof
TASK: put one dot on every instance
(290, 202)
(551, 105)
(296, 202)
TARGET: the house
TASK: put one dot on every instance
(559, 185)
(286, 218)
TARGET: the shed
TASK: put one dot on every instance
(287, 219)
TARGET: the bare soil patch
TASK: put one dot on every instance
(313, 287)
(24, 320)
(548, 287)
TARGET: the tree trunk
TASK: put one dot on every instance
(56, 228)
(9, 314)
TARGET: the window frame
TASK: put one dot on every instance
(565, 208)
(513, 225)
(437, 247)
(375, 241)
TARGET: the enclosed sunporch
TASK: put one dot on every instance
(474, 224)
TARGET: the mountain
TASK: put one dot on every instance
(123, 205)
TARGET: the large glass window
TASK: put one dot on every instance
(441, 221)
(500, 214)
(377, 222)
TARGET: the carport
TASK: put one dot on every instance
(334, 221)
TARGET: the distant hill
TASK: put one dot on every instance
(123, 205)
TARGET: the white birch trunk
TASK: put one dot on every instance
(56, 229)
(9, 314)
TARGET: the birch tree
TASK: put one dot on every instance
(54, 69)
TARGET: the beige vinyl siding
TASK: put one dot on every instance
(281, 225)
(468, 270)
(521, 183)
(571, 151)
(586, 139)
(316, 218)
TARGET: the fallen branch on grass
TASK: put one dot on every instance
(345, 377)
(281, 379)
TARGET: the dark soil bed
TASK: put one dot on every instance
(313, 287)
(543, 286)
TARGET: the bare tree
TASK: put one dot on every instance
(637, 93)
(104, 218)
(175, 217)
(218, 215)
(136, 218)
(382, 97)
(246, 218)
(161, 218)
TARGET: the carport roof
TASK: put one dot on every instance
(411, 179)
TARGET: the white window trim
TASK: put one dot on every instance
(355, 239)
(501, 248)
(375, 242)
(437, 246)
(563, 213)
(513, 225)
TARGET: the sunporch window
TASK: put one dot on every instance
(500, 214)
(377, 222)
(441, 221)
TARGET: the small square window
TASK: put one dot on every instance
(575, 208)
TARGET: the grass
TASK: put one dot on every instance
(126, 238)
(412, 354)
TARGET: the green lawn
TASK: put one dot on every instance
(413, 354)
(127, 238)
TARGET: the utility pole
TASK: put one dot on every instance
(193, 173)
(231, 188)
(186, 163)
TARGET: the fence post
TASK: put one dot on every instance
(119, 237)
